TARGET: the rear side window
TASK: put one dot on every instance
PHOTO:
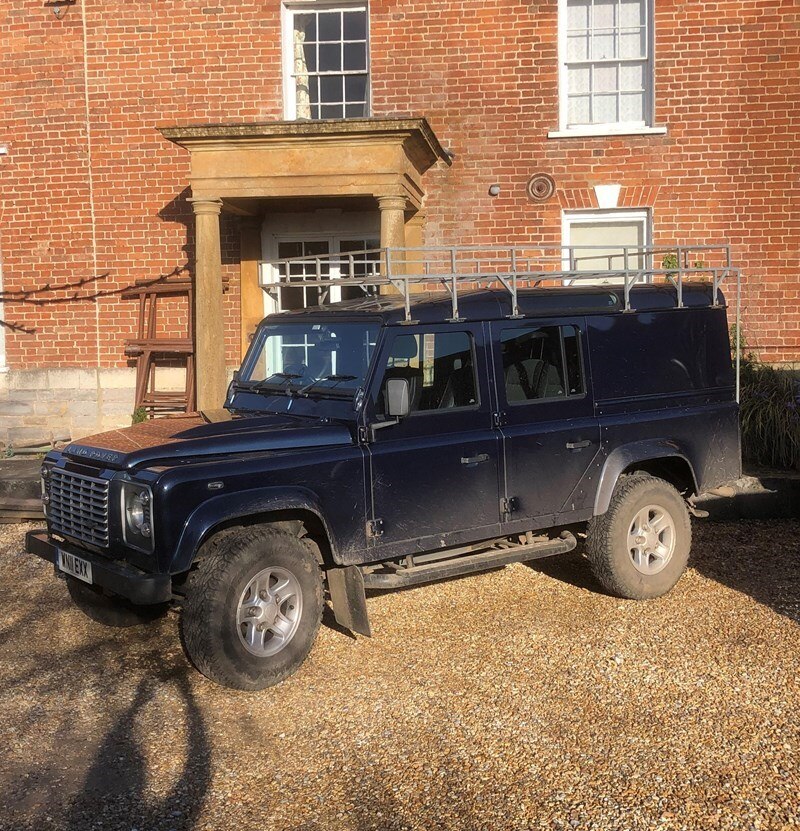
(541, 363)
(439, 368)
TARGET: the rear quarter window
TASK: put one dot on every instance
(654, 353)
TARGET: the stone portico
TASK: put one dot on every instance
(253, 169)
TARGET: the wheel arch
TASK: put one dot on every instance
(296, 511)
(660, 458)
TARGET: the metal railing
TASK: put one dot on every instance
(465, 267)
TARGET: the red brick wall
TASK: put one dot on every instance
(485, 74)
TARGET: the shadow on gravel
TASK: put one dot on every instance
(759, 558)
(90, 709)
(119, 774)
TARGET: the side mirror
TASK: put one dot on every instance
(398, 397)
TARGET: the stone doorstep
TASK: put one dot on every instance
(766, 495)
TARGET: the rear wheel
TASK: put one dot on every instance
(640, 547)
(253, 607)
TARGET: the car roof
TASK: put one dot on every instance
(495, 304)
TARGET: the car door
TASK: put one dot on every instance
(550, 435)
(434, 475)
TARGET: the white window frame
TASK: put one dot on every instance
(646, 127)
(3, 364)
(622, 216)
(288, 10)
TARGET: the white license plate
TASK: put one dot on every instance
(77, 567)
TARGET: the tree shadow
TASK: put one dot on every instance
(71, 779)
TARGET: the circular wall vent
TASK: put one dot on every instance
(541, 187)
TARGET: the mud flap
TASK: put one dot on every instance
(346, 587)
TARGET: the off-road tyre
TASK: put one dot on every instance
(607, 538)
(224, 569)
(114, 612)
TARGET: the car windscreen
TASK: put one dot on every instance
(328, 358)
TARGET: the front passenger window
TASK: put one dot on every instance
(439, 368)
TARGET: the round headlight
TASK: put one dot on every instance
(139, 515)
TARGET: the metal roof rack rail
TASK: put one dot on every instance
(467, 267)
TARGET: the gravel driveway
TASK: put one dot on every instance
(519, 699)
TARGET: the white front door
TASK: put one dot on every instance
(320, 234)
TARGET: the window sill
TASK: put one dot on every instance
(607, 132)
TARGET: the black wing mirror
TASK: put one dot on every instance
(398, 397)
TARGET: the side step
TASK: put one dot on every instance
(468, 564)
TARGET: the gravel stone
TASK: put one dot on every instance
(519, 699)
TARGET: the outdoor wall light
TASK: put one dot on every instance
(59, 7)
(494, 190)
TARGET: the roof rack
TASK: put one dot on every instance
(466, 267)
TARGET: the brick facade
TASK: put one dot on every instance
(94, 198)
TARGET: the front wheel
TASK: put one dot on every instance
(253, 608)
(640, 547)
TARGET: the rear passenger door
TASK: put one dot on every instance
(550, 436)
(435, 475)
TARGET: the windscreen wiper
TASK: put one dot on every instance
(337, 379)
(286, 378)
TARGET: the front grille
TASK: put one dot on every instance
(78, 507)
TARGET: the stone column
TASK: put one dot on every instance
(209, 335)
(393, 221)
(393, 232)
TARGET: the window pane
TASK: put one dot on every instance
(632, 44)
(579, 112)
(439, 369)
(331, 89)
(532, 363)
(355, 56)
(579, 79)
(578, 14)
(578, 47)
(604, 109)
(573, 356)
(605, 78)
(604, 14)
(331, 111)
(356, 110)
(355, 87)
(631, 77)
(306, 26)
(330, 57)
(606, 239)
(330, 27)
(632, 106)
(355, 25)
(632, 13)
(310, 57)
(603, 46)
(313, 89)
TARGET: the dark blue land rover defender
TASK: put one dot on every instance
(379, 443)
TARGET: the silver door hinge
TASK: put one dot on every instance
(499, 419)
(363, 435)
(374, 528)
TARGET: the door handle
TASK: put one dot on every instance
(475, 460)
(577, 445)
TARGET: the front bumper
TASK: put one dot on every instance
(123, 579)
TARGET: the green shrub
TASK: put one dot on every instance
(139, 415)
(770, 415)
